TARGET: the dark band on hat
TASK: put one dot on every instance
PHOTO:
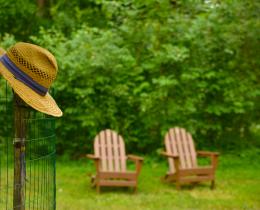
(21, 76)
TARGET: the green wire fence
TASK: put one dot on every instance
(27, 167)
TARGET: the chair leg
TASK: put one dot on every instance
(98, 188)
(178, 185)
(169, 178)
(164, 179)
(135, 189)
(93, 181)
(212, 186)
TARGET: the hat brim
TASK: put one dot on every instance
(45, 104)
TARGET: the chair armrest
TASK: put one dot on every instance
(169, 155)
(213, 156)
(138, 162)
(93, 157)
(96, 160)
(176, 160)
(134, 157)
(207, 153)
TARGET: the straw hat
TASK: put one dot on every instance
(30, 71)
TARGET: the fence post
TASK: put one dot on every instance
(21, 113)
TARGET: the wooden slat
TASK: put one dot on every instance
(182, 146)
(189, 150)
(97, 149)
(103, 154)
(122, 155)
(117, 183)
(173, 142)
(168, 146)
(118, 175)
(196, 179)
(192, 150)
(187, 155)
(197, 171)
(116, 152)
(110, 158)
(179, 147)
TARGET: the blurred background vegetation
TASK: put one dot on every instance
(143, 66)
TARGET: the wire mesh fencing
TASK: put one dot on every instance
(27, 165)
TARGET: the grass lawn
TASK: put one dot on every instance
(237, 187)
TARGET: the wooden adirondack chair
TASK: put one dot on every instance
(110, 162)
(182, 158)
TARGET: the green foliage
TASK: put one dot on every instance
(18, 17)
(141, 67)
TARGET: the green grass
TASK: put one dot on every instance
(237, 187)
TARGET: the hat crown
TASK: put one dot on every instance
(34, 61)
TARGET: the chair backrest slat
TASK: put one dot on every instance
(116, 151)
(110, 147)
(170, 149)
(186, 151)
(192, 151)
(122, 153)
(102, 140)
(179, 142)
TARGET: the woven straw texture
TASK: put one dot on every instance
(41, 66)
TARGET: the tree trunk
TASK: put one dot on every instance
(41, 4)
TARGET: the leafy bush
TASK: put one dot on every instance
(16, 17)
(151, 66)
